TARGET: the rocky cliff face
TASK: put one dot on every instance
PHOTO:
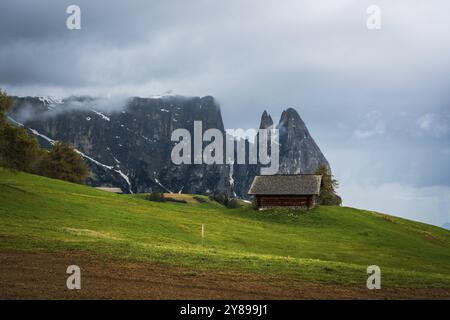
(129, 145)
(299, 152)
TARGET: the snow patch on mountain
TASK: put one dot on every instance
(36, 133)
(101, 115)
(161, 185)
(85, 156)
(50, 102)
(15, 122)
(125, 177)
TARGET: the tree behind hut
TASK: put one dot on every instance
(328, 188)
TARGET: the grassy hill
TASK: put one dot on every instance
(324, 245)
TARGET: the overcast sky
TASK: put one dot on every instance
(376, 101)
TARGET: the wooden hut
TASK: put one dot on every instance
(286, 191)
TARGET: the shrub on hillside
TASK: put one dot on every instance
(233, 204)
(155, 196)
(219, 197)
(223, 199)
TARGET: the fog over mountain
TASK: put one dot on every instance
(131, 146)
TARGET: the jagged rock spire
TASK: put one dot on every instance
(266, 121)
(299, 152)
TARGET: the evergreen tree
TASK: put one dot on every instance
(18, 151)
(64, 163)
(328, 188)
(5, 106)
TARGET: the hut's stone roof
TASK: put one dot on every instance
(293, 184)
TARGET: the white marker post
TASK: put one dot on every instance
(203, 234)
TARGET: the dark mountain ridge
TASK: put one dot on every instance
(127, 143)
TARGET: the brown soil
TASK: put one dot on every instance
(43, 276)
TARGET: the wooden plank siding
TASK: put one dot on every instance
(292, 201)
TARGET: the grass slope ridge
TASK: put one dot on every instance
(327, 244)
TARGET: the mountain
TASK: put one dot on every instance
(299, 152)
(446, 225)
(127, 143)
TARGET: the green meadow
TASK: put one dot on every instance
(326, 244)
